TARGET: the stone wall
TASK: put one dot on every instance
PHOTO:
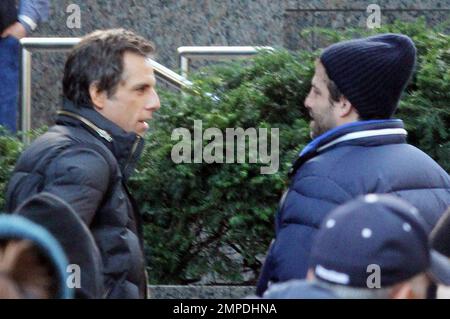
(200, 292)
(174, 23)
(341, 14)
(168, 23)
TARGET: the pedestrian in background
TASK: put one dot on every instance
(15, 24)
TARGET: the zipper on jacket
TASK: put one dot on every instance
(102, 133)
(107, 292)
(133, 150)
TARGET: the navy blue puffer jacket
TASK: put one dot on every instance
(348, 161)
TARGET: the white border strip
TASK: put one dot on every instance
(331, 275)
(29, 21)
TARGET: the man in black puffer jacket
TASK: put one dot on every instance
(87, 157)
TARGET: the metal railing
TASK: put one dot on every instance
(187, 54)
(29, 44)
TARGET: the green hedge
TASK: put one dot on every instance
(214, 220)
(10, 149)
(203, 218)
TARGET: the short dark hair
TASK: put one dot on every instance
(99, 58)
(335, 93)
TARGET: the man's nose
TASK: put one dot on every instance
(306, 102)
(153, 102)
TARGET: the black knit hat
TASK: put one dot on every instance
(371, 72)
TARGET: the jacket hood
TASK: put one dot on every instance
(60, 220)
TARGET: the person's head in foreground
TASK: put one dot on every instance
(376, 246)
(32, 263)
(360, 79)
(111, 72)
(62, 222)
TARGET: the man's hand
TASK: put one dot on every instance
(16, 30)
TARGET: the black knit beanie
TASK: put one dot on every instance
(371, 72)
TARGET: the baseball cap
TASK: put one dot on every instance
(375, 232)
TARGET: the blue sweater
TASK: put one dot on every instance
(348, 161)
(32, 12)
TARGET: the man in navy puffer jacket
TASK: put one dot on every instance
(356, 149)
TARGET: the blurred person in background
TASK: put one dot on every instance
(15, 24)
(373, 247)
(376, 246)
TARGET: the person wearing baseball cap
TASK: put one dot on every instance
(357, 148)
(376, 246)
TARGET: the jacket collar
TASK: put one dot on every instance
(363, 133)
(126, 147)
(375, 131)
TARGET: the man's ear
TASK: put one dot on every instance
(345, 107)
(98, 97)
(346, 110)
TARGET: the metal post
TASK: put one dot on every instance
(184, 66)
(26, 95)
(170, 76)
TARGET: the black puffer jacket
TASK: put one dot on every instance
(85, 160)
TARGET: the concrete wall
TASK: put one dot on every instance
(200, 292)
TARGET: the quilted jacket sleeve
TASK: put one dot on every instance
(79, 176)
(309, 199)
